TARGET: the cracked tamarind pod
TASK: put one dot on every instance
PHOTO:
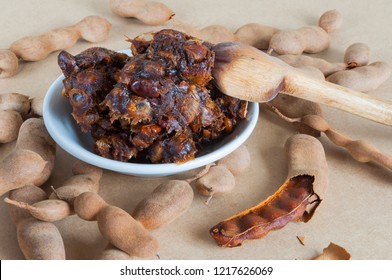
(295, 200)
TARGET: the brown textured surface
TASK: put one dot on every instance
(159, 105)
(286, 205)
(356, 191)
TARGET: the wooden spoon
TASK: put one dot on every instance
(247, 73)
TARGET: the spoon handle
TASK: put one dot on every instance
(339, 97)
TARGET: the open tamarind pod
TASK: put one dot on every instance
(297, 198)
(247, 73)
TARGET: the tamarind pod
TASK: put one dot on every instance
(35, 48)
(60, 39)
(324, 66)
(36, 106)
(125, 233)
(330, 21)
(31, 48)
(166, 203)
(287, 204)
(357, 54)
(45, 210)
(216, 34)
(305, 155)
(237, 161)
(20, 168)
(182, 26)
(360, 150)
(9, 64)
(296, 199)
(94, 172)
(364, 78)
(28, 194)
(40, 240)
(85, 178)
(37, 240)
(308, 39)
(112, 253)
(218, 181)
(256, 35)
(10, 122)
(93, 28)
(312, 72)
(88, 204)
(148, 12)
(15, 102)
(71, 189)
(34, 136)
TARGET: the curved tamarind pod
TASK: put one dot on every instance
(308, 39)
(363, 78)
(324, 66)
(35, 48)
(296, 199)
(360, 150)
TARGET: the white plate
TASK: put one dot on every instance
(67, 134)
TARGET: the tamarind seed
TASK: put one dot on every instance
(229, 229)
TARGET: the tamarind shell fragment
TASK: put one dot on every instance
(286, 205)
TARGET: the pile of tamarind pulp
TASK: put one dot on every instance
(25, 170)
(158, 105)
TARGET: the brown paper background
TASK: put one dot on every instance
(356, 212)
